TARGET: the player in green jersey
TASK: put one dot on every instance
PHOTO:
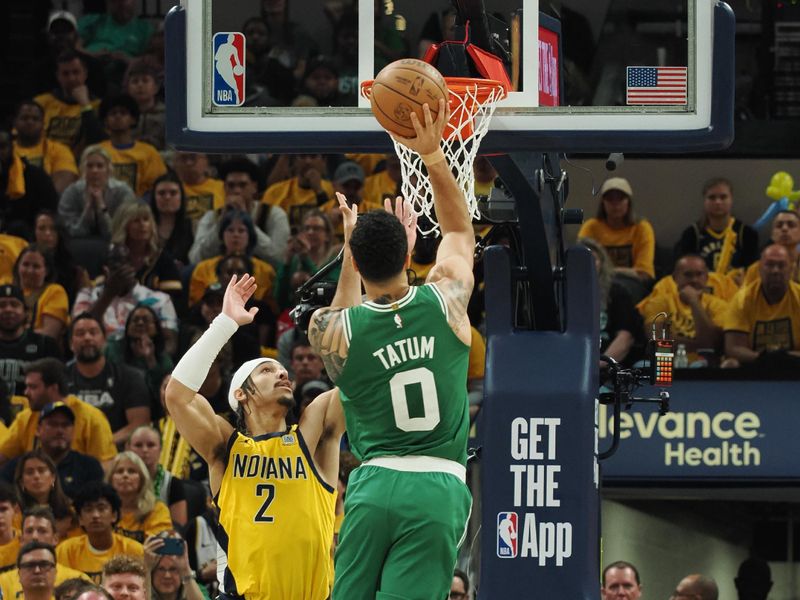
(400, 362)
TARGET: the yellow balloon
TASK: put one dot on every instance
(780, 186)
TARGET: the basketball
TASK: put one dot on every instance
(403, 87)
(238, 70)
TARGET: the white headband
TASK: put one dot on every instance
(243, 373)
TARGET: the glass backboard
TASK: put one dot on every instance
(586, 75)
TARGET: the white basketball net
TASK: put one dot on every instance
(470, 113)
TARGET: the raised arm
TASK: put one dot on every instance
(322, 426)
(325, 331)
(193, 415)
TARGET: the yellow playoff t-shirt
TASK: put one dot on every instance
(630, 247)
(77, 553)
(769, 326)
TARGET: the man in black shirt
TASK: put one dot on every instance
(54, 432)
(19, 345)
(118, 390)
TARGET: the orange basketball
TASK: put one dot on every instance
(403, 87)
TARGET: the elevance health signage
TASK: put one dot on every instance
(715, 430)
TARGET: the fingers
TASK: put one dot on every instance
(342, 200)
(253, 311)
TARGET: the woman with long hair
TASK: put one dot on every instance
(168, 203)
(141, 514)
(50, 234)
(36, 478)
(135, 228)
(88, 205)
(47, 301)
(145, 442)
(143, 345)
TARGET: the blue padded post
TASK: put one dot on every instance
(538, 432)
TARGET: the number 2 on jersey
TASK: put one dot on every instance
(430, 400)
(269, 490)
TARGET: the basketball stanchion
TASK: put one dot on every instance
(472, 103)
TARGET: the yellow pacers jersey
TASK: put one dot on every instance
(276, 519)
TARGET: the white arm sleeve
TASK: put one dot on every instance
(192, 369)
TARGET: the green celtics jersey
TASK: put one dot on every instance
(404, 385)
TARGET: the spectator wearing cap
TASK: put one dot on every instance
(118, 33)
(69, 110)
(135, 162)
(62, 36)
(118, 390)
(112, 300)
(309, 391)
(86, 206)
(19, 344)
(54, 157)
(763, 321)
(24, 190)
(203, 193)
(722, 240)
(55, 431)
(308, 187)
(242, 179)
(348, 180)
(46, 383)
(630, 242)
(143, 82)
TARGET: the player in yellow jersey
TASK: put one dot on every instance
(273, 483)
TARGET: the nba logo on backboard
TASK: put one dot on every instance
(229, 65)
(507, 535)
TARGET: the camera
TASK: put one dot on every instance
(317, 295)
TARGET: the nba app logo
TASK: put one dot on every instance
(507, 535)
(229, 63)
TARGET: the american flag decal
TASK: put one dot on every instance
(656, 85)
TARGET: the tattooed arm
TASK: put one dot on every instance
(326, 334)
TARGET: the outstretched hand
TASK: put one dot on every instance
(349, 215)
(429, 135)
(238, 292)
(404, 211)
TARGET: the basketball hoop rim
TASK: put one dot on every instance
(459, 85)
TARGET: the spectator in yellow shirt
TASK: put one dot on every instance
(306, 190)
(9, 537)
(203, 193)
(764, 317)
(39, 525)
(141, 513)
(45, 383)
(384, 184)
(629, 242)
(46, 300)
(136, 163)
(98, 507)
(69, 110)
(786, 233)
(696, 317)
(54, 157)
(36, 569)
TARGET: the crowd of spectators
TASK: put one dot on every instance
(115, 251)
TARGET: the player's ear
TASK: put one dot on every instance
(407, 265)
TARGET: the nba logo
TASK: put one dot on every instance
(507, 535)
(229, 64)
